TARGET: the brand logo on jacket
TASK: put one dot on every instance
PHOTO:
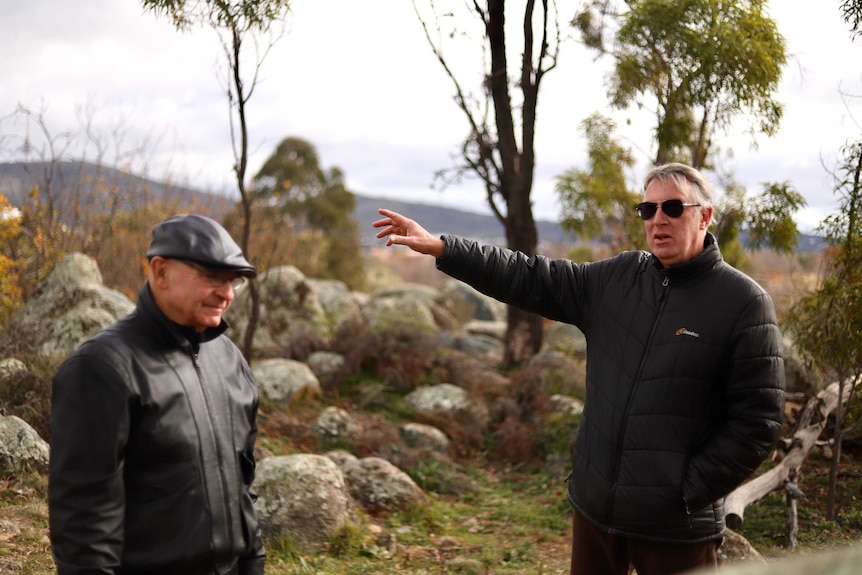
(683, 331)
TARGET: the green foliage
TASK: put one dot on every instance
(827, 322)
(434, 474)
(767, 217)
(851, 10)
(596, 203)
(304, 216)
(705, 62)
(244, 15)
(699, 63)
(770, 217)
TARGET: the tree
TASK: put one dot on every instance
(598, 203)
(316, 207)
(500, 146)
(852, 12)
(827, 322)
(235, 22)
(698, 64)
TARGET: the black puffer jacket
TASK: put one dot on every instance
(152, 453)
(685, 379)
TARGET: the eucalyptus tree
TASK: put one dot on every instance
(851, 10)
(501, 110)
(699, 65)
(827, 322)
(236, 22)
(315, 204)
(597, 202)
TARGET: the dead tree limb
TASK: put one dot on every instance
(812, 420)
(792, 494)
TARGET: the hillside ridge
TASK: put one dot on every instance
(18, 178)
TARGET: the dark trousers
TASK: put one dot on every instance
(595, 552)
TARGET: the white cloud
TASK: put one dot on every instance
(359, 81)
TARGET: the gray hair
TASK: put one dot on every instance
(686, 179)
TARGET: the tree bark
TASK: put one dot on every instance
(812, 420)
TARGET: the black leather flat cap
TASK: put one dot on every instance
(202, 240)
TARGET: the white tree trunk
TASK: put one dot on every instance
(812, 420)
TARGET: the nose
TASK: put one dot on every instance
(225, 291)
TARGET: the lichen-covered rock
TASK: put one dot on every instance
(303, 497)
(380, 486)
(327, 366)
(424, 437)
(69, 307)
(281, 379)
(336, 423)
(290, 310)
(339, 304)
(450, 401)
(21, 446)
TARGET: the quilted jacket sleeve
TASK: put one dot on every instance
(553, 288)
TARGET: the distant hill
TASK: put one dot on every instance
(441, 220)
(17, 179)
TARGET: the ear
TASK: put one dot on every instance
(705, 217)
(159, 272)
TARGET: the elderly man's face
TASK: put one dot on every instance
(675, 240)
(195, 296)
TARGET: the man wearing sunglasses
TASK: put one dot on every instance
(685, 375)
(154, 425)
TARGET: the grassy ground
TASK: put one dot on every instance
(514, 522)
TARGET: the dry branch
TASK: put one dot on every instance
(812, 420)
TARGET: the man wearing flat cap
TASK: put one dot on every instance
(154, 422)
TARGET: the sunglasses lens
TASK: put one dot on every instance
(672, 208)
(646, 210)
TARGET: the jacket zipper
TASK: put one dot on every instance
(218, 452)
(665, 284)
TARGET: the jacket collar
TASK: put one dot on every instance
(706, 260)
(182, 336)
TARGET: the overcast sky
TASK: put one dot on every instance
(359, 81)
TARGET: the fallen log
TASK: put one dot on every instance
(811, 422)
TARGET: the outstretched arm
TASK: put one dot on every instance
(404, 231)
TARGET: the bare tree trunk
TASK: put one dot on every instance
(503, 156)
(812, 420)
(792, 494)
(831, 510)
(524, 330)
(241, 94)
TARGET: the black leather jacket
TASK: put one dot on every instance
(152, 453)
(685, 379)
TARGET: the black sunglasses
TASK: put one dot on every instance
(671, 208)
